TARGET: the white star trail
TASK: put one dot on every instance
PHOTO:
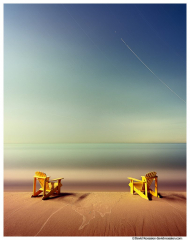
(152, 71)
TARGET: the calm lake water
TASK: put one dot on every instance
(95, 167)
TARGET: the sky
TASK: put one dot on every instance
(85, 73)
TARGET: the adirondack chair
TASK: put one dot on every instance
(47, 187)
(142, 187)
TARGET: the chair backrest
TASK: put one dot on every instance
(41, 180)
(149, 181)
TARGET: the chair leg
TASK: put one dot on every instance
(34, 186)
(155, 192)
(156, 187)
(34, 189)
(44, 188)
(131, 186)
(146, 190)
(141, 193)
(36, 193)
(49, 194)
(59, 186)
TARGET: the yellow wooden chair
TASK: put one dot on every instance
(47, 187)
(142, 187)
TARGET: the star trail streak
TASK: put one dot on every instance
(152, 71)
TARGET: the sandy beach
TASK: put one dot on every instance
(95, 214)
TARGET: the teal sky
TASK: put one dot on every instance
(68, 77)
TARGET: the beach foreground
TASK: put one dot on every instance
(95, 214)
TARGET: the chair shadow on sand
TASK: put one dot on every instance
(173, 196)
(170, 196)
(63, 195)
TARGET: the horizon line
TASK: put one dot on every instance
(103, 143)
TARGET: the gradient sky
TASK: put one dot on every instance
(68, 77)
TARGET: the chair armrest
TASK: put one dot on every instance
(134, 179)
(39, 177)
(57, 179)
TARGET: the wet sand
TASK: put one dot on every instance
(94, 214)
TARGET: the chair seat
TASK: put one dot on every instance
(138, 185)
(49, 189)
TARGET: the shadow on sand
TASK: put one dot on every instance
(63, 195)
(173, 196)
(170, 197)
(82, 197)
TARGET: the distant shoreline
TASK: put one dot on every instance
(101, 143)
